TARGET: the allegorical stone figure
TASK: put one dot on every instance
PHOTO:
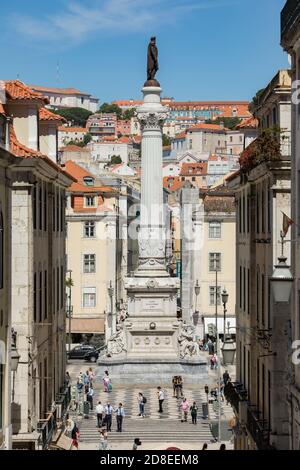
(152, 61)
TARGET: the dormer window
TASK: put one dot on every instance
(88, 181)
(89, 201)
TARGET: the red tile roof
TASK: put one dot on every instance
(249, 123)
(73, 148)
(193, 169)
(124, 140)
(181, 135)
(172, 183)
(60, 91)
(20, 150)
(17, 90)
(72, 129)
(46, 115)
(207, 127)
(79, 174)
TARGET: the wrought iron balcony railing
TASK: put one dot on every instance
(259, 429)
(46, 428)
(234, 393)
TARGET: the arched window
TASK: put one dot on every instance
(1, 250)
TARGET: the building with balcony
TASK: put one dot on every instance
(290, 41)
(37, 263)
(102, 125)
(262, 194)
(99, 251)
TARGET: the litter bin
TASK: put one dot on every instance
(86, 409)
(205, 410)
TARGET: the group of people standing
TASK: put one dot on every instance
(105, 413)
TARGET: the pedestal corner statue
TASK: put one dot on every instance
(151, 343)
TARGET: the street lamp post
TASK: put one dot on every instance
(110, 290)
(225, 296)
(69, 285)
(197, 292)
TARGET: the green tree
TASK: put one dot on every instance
(115, 160)
(87, 138)
(128, 114)
(76, 116)
(111, 108)
(74, 142)
(166, 140)
(229, 122)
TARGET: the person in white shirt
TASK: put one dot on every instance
(99, 413)
(161, 397)
(119, 415)
(89, 396)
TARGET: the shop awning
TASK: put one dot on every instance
(87, 325)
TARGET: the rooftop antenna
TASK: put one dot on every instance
(57, 73)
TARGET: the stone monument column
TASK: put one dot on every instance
(152, 235)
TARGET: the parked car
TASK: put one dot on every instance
(84, 351)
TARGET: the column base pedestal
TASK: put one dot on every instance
(126, 371)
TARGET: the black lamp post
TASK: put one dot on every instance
(225, 296)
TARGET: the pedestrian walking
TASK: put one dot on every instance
(226, 377)
(184, 410)
(91, 375)
(204, 447)
(142, 401)
(215, 361)
(67, 379)
(222, 447)
(99, 414)
(174, 382)
(161, 398)
(136, 443)
(106, 381)
(103, 440)
(89, 396)
(108, 416)
(120, 414)
(75, 436)
(194, 411)
(210, 346)
(86, 378)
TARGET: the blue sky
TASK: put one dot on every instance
(208, 49)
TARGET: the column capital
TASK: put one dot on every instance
(152, 121)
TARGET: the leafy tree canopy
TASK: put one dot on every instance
(115, 160)
(229, 122)
(128, 114)
(87, 138)
(111, 108)
(77, 116)
(166, 140)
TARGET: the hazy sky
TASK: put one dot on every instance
(208, 49)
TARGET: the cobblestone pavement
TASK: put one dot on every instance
(156, 430)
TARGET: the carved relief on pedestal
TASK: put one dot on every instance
(117, 343)
(151, 249)
(188, 348)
